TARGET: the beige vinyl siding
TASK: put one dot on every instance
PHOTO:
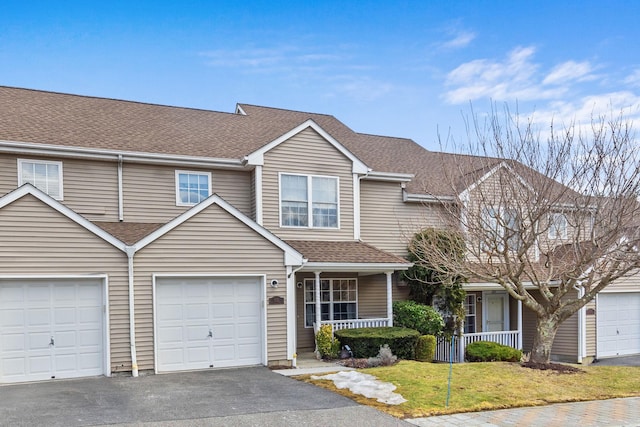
(565, 344)
(591, 334)
(372, 296)
(37, 240)
(307, 153)
(629, 283)
(387, 222)
(150, 191)
(211, 242)
(89, 187)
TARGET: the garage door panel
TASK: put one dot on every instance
(69, 312)
(618, 324)
(220, 305)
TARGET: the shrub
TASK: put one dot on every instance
(366, 342)
(421, 317)
(384, 358)
(328, 346)
(426, 348)
(485, 351)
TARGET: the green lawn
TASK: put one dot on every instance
(496, 385)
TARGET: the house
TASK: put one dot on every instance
(157, 238)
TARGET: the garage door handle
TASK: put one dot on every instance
(210, 333)
(52, 342)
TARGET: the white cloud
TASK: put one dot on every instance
(508, 80)
(569, 71)
(633, 79)
(359, 88)
(460, 40)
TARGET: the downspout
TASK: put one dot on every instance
(581, 325)
(120, 195)
(132, 322)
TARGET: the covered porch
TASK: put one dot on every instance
(491, 315)
(357, 286)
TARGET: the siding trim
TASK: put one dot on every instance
(51, 202)
(257, 157)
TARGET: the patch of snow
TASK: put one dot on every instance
(364, 384)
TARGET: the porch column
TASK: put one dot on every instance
(317, 297)
(389, 298)
(519, 325)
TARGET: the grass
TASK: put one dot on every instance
(495, 385)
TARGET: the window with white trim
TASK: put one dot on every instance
(501, 226)
(309, 201)
(192, 187)
(470, 314)
(558, 226)
(45, 175)
(338, 300)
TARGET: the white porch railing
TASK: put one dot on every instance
(336, 325)
(443, 346)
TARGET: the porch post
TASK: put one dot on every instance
(389, 298)
(519, 325)
(317, 297)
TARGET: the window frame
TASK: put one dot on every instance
(21, 182)
(178, 172)
(470, 301)
(309, 201)
(498, 221)
(553, 230)
(331, 301)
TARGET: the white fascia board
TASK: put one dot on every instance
(291, 256)
(490, 286)
(257, 157)
(389, 176)
(115, 155)
(359, 267)
(502, 165)
(25, 189)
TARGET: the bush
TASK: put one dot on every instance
(485, 351)
(426, 348)
(328, 346)
(366, 342)
(384, 358)
(421, 317)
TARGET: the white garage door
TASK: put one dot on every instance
(618, 324)
(208, 322)
(50, 329)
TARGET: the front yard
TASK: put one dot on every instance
(495, 385)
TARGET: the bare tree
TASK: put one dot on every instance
(549, 215)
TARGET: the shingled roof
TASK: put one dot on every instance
(351, 252)
(39, 117)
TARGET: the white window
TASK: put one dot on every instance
(470, 316)
(192, 187)
(501, 226)
(45, 175)
(338, 300)
(558, 226)
(308, 201)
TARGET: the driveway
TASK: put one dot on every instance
(230, 397)
(619, 361)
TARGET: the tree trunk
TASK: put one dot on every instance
(546, 329)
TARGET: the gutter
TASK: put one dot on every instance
(426, 198)
(130, 250)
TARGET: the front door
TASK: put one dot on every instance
(496, 313)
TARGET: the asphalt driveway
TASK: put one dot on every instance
(619, 361)
(240, 397)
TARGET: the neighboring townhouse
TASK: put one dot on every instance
(148, 237)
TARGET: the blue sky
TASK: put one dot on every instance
(399, 68)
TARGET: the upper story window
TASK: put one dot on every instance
(558, 226)
(502, 226)
(45, 175)
(192, 187)
(308, 201)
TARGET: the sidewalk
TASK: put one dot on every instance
(612, 412)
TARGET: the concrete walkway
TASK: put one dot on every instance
(612, 412)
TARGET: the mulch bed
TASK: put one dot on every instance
(557, 367)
